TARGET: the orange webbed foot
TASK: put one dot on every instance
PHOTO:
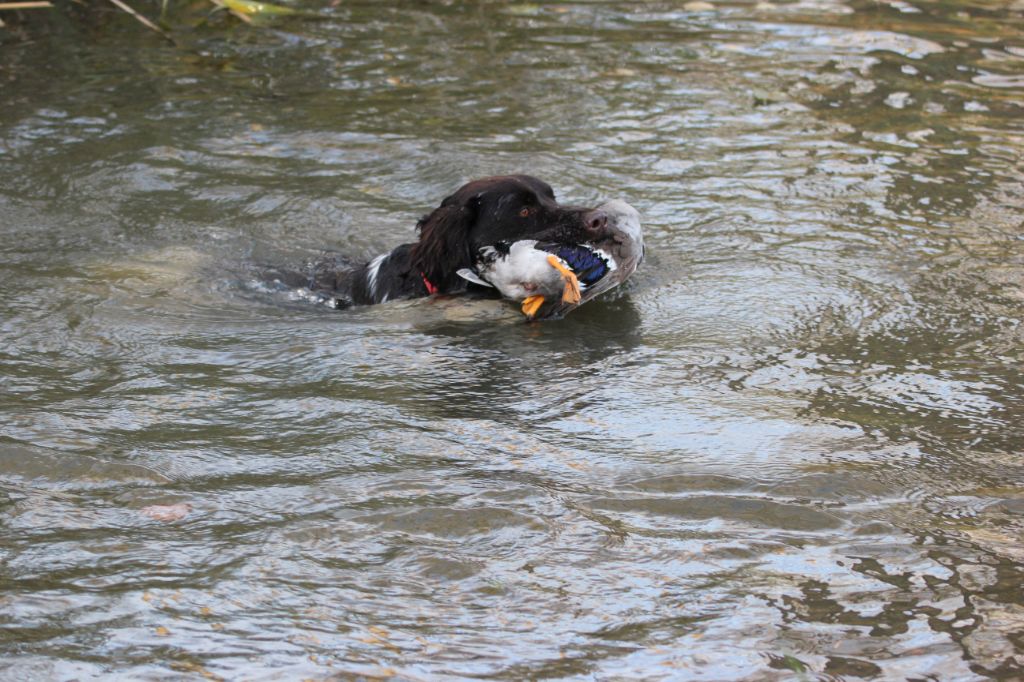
(571, 294)
(531, 304)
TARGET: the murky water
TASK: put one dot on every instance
(792, 444)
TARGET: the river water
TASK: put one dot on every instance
(789, 448)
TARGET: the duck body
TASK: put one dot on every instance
(551, 278)
(518, 270)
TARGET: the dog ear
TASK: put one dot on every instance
(444, 245)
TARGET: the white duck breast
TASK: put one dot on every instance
(517, 270)
(523, 272)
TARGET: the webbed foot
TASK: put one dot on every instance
(571, 294)
(531, 304)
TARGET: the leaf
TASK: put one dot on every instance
(527, 9)
(256, 9)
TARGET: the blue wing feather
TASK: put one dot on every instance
(588, 266)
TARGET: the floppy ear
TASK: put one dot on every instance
(444, 246)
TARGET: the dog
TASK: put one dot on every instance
(482, 212)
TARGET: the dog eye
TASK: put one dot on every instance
(524, 212)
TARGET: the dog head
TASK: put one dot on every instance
(490, 210)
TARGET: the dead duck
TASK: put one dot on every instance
(550, 279)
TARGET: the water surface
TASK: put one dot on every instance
(791, 444)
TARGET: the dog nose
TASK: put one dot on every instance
(596, 221)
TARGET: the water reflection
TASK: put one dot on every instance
(790, 445)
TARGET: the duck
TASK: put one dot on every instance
(551, 278)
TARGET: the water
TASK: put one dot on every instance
(790, 447)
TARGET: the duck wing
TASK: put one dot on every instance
(589, 265)
(617, 267)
